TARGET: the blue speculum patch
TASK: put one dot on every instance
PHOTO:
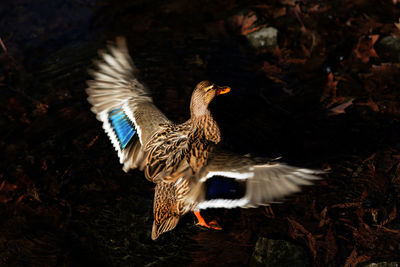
(122, 126)
(219, 187)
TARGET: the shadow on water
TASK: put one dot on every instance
(79, 208)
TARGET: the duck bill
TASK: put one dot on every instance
(223, 90)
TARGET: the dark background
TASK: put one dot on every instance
(64, 199)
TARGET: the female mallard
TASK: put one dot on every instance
(189, 173)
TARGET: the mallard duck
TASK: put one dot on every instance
(189, 170)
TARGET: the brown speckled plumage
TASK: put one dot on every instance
(177, 151)
(178, 158)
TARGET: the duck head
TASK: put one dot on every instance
(202, 96)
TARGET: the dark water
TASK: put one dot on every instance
(74, 206)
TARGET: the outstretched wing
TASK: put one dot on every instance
(229, 181)
(123, 104)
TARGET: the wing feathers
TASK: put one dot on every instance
(112, 88)
(264, 183)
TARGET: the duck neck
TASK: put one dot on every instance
(198, 109)
(206, 126)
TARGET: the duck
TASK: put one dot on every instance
(184, 161)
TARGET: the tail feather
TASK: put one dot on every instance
(165, 226)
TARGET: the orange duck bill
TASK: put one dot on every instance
(223, 90)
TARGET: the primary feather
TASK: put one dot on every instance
(181, 159)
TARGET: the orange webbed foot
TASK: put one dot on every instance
(211, 225)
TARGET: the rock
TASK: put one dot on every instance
(381, 264)
(389, 49)
(263, 38)
(280, 253)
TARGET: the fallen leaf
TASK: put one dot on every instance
(331, 245)
(41, 109)
(279, 12)
(7, 187)
(347, 205)
(3, 46)
(371, 104)
(329, 94)
(324, 219)
(269, 213)
(245, 24)
(4, 199)
(353, 259)
(365, 48)
(288, 2)
(93, 141)
(397, 24)
(298, 230)
(340, 109)
(391, 217)
(272, 72)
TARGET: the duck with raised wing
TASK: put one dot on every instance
(189, 171)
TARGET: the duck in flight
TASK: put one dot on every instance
(189, 171)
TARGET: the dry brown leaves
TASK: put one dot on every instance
(353, 259)
(273, 72)
(245, 24)
(6, 191)
(329, 97)
(298, 231)
(364, 49)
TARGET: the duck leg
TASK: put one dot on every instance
(202, 222)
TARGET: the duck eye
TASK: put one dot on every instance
(209, 88)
